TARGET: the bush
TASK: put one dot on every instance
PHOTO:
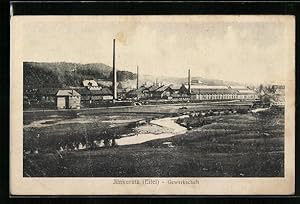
(242, 111)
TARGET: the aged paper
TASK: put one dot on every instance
(152, 105)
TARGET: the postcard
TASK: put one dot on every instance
(152, 105)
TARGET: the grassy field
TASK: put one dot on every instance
(236, 145)
(50, 133)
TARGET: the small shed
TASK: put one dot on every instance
(68, 99)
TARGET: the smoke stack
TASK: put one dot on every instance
(137, 77)
(114, 73)
(189, 81)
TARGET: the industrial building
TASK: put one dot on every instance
(244, 93)
(103, 94)
(140, 93)
(163, 92)
(212, 93)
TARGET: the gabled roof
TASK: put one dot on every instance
(83, 91)
(135, 92)
(162, 88)
(90, 82)
(104, 91)
(67, 93)
(154, 88)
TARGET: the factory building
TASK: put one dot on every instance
(103, 94)
(244, 93)
(163, 92)
(140, 93)
(212, 93)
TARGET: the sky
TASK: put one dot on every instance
(237, 48)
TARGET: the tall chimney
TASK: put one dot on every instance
(137, 77)
(114, 73)
(189, 81)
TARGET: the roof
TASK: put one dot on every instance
(212, 91)
(67, 93)
(153, 88)
(196, 81)
(47, 91)
(193, 86)
(238, 87)
(162, 88)
(83, 91)
(121, 90)
(137, 91)
(200, 86)
(104, 83)
(247, 91)
(104, 91)
(175, 86)
(95, 88)
(89, 83)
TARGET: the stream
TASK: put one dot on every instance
(169, 123)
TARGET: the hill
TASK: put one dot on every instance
(182, 80)
(62, 74)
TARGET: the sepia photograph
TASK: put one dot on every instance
(158, 103)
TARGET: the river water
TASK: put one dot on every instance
(175, 129)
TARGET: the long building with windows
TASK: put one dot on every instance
(213, 93)
(244, 93)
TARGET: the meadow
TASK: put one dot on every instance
(233, 145)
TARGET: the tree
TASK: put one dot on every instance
(261, 88)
